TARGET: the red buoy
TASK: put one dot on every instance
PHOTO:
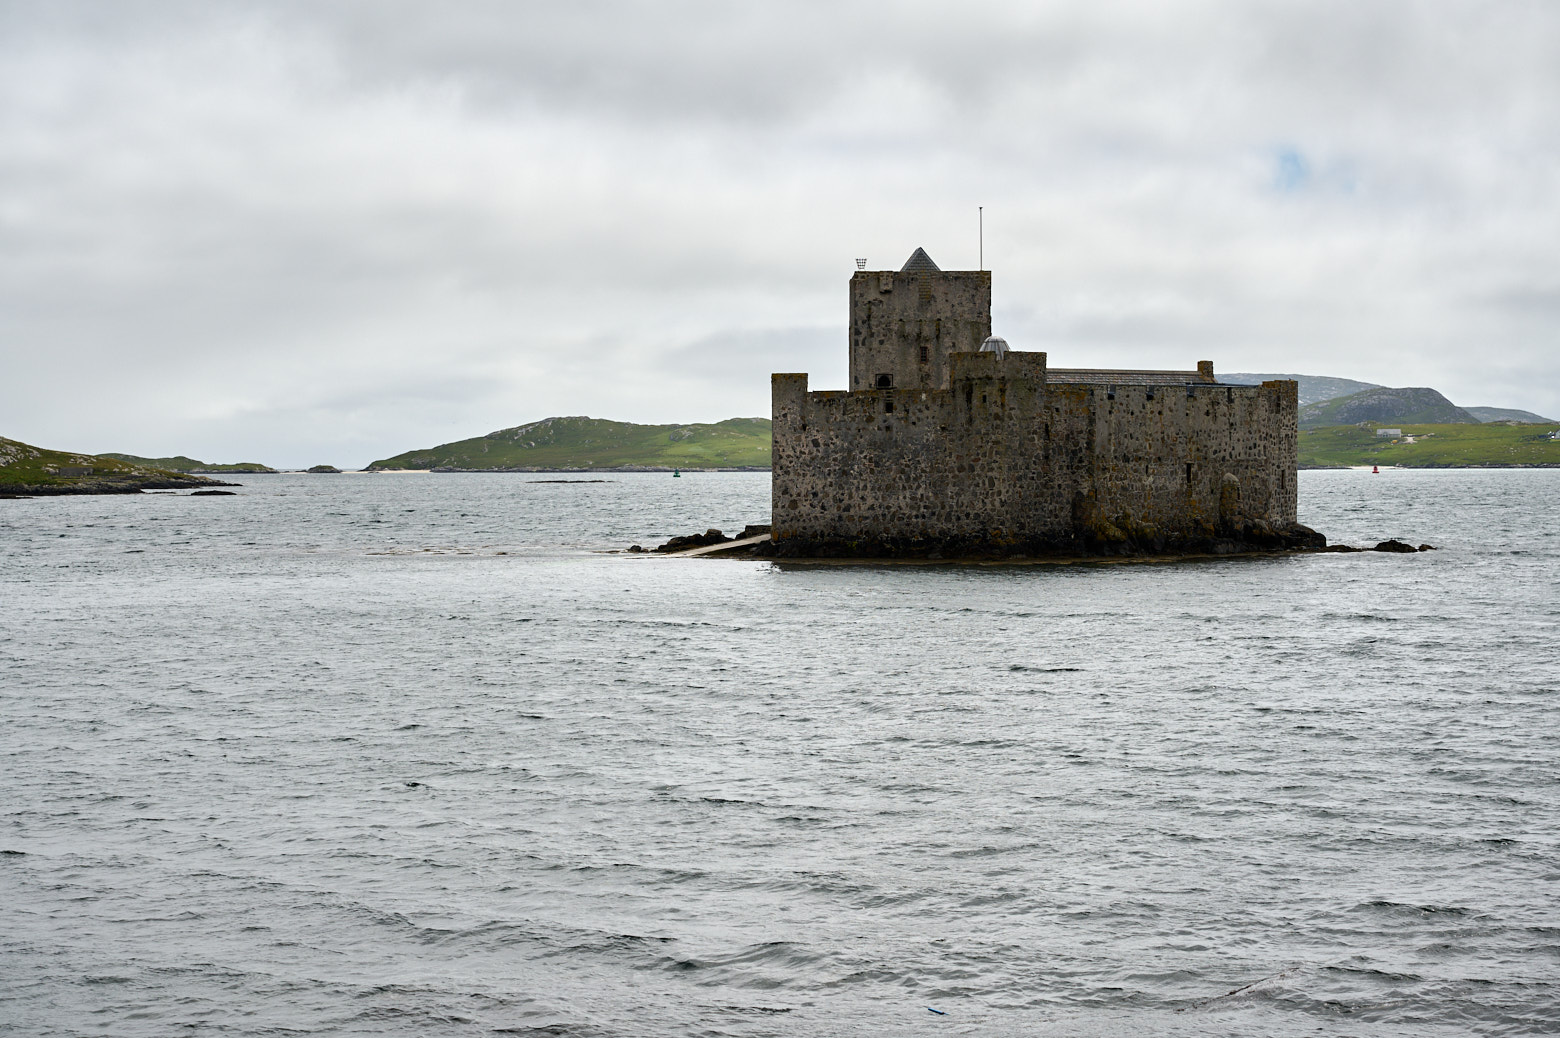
(1374, 471)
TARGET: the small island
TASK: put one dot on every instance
(28, 471)
(180, 463)
(323, 469)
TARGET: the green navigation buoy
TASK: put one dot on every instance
(676, 474)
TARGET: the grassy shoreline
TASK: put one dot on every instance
(1488, 445)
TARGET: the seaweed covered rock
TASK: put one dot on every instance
(693, 540)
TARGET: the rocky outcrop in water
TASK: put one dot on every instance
(1118, 538)
(709, 537)
(1240, 537)
(1393, 546)
(109, 485)
(692, 540)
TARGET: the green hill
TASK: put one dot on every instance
(1388, 406)
(1313, 388)
(1433, 446)
(25, 469)
(1318, 389)
(595, 443)
(179, 463)
(1506, 414)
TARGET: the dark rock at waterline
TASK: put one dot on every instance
(693, 540)
(126, 484)
(707, 538)
(213, 493)
(1241, 537)
(1394, 545)
(1119, 539)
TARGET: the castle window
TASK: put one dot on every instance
(1188, 473)
(888, 407)
(926, 354)
(885, 382)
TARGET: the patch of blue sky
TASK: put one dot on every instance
(1291, 171)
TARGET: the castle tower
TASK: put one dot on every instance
(905, 323)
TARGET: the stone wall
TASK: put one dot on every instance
(1004, 459)
(905, 325)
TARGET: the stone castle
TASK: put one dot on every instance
(947, 443)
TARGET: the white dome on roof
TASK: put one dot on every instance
(994, 344)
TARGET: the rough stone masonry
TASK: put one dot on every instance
(942, 448)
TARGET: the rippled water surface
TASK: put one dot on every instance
(407, 755)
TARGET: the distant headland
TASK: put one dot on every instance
(179, 463)
(579, 444)
(28, 471)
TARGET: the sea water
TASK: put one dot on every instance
(410, 755)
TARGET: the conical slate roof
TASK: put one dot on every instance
(919, 263)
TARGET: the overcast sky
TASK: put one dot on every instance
(331, 231)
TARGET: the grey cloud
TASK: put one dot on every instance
(750, 356)
(370, 222)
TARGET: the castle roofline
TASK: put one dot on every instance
(1127, 377)
(940, 271)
